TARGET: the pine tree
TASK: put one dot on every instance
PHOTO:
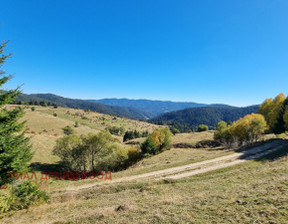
(15, 150)
(280, 122)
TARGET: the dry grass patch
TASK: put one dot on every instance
(254, 192)
(193, 138)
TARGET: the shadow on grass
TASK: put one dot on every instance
(281, 152)
(46, 167)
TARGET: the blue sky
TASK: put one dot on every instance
(225, 51)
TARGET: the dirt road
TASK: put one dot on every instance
(197, 168)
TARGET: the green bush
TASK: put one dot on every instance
(202, 127)
(223, 134)
(116, 131)
(158, 141)
(134, 154)
(174, 130)
(68, 130)
(27, 193)
(33, 109)
(93, 152)
(6, 199)
(20, 196)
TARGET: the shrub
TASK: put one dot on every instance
(116, 131)
(149, 147)
(43, 104)
(27, 193)
(156, 142)
(91, 152)
(68, 130)
(33, 109)
(21, 196)
(6, 200)
(134, 154)
(76, 125)
(202, 127)
(223, 134)
(174, 130)
(112, 158)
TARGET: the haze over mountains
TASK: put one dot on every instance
(128, 112)
(155, 107)
(186, 113)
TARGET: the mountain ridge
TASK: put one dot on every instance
(132, 113)
(192, 117)
(156, 107)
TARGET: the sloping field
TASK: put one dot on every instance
(254, 191)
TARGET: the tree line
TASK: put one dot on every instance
(189, 119)
(35, 103)
(246, 130)
(272, 117)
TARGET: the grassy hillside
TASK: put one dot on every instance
(44, 129)
(45, 124)
(210, 116)
(246, 193)
(254, 192)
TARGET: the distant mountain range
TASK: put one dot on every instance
(129, 112)
(154, 107)
(210, 116)
(160, 112)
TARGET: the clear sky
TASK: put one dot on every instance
(224, 51)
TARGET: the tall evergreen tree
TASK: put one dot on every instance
(280, 123)
(15, 150)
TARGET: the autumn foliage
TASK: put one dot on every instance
(244, 131)
(275, 112)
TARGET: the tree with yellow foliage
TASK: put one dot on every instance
(270, 109)
(249, 128)
(223, 134)
(159, 140)
(246, 130)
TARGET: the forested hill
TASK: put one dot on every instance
(132, 113)
(154, 107)
(210, 116)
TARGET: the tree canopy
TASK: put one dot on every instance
(275, 112)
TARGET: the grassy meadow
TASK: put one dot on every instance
(253, 192)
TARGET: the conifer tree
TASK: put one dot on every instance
(15, 150)
(280, 125)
